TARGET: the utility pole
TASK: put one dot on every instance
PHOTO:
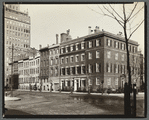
(12, 73)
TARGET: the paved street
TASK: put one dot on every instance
(36, 103)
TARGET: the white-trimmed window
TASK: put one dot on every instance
(116, 81)
(77, 48)
(98, 67)
(90, 55)
(66, 59)
(97, 81)
(62, 50)
(109, 81)
(98, 42)
(116, 56)
(123, 46)
(56, 60)
(66, 48)
(108, 42)
(82, 69)
(90, 44)
(71, 59)
(116, 44)
(90, 68)
(82, 45)
(108, 54)
(62, 60)
(82, 57)
(77, 58)
(116, 68)
(108, 67)
(90, 81)
(97, 54)
(122, 57)
(71, 47)
(122, 69)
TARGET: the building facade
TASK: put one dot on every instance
(44, 68)
(16, 33)
(95, 61)
(29, 71)
(54, 67)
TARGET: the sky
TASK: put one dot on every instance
(48, 20)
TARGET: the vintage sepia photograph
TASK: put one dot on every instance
(74, 60)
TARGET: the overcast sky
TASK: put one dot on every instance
(48, 20)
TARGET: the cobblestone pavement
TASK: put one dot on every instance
(42, 103)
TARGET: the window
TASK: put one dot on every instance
(98, 67)
(109, 42)
(108, 54)
(83, 69)
(71, 59)
(123, 69)
(97, 81)
(116, 81)
(66, 49)
(77, 58)
(135, 59)
(90, 44)
(116, 44)
(109, 67)
(90, 67)
(90, 81)
(89, 55)
(109, 81)
(82, 45)
(122, 57)
(66, 59)
(62, 60)
(116, 68)
(56, 60)
(77, 46)
(62, 50)
(82, 57)
(97, 54)
(71, 47)
(51, 61)
(116, 56)
(98, 42)
(122, 46)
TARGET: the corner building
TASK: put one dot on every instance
(96, 60)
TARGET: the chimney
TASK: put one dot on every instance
(68, 31)
(40, 46)
(89, 30)
(47, 45)
(56, 38)
(96, 29)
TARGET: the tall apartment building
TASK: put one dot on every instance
(16, 33)
(95, 60)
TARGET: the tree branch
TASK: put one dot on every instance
(116, 12)
(135, 14)
(119, 21)
(136, 29)
(132, 11)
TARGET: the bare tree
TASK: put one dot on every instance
(126, 19)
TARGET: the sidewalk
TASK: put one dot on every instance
(7, 98)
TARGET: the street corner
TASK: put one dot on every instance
(12, 98)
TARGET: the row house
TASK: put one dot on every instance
(44, 68)
(29, 71)
(54, 66)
